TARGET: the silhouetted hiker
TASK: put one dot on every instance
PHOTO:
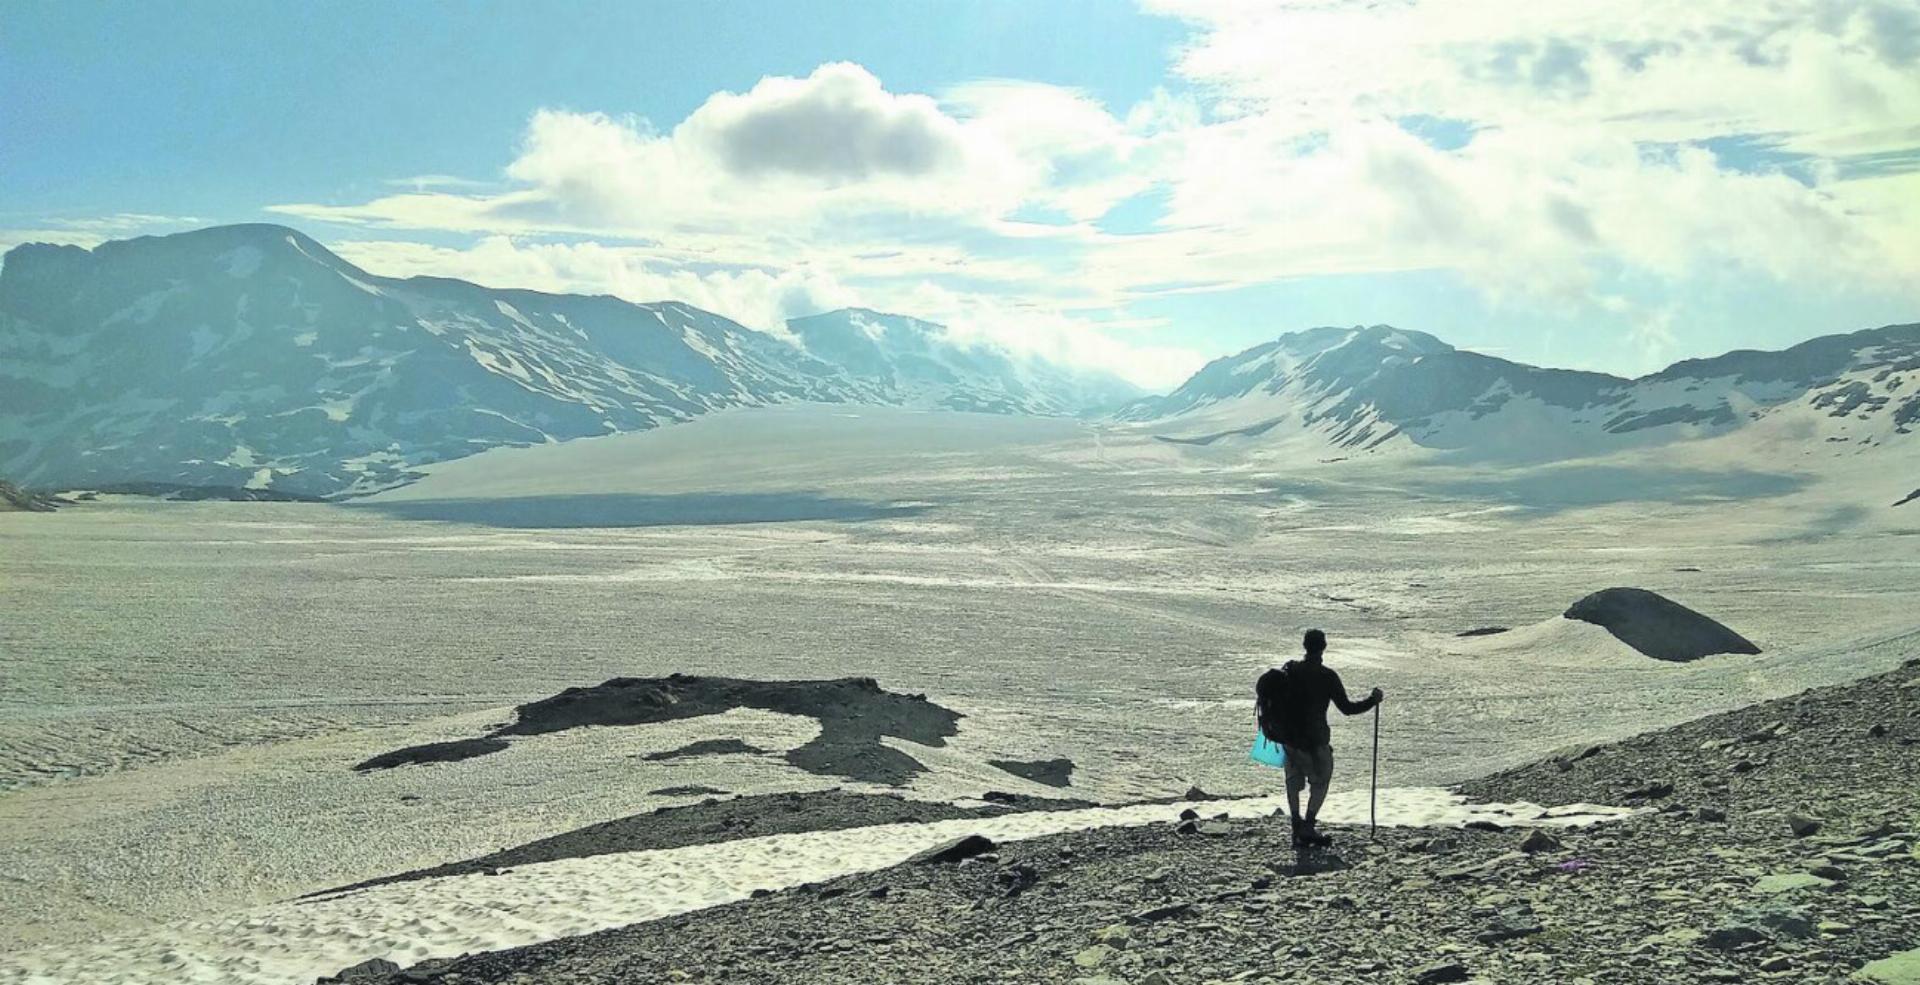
(1292, 702)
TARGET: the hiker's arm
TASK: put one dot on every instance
(1350, 707)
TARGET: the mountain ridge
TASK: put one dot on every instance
(251, 355)
(1370, 388)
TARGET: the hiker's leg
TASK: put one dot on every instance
(1296, 778)
(1320, 775)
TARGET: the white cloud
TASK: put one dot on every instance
(1581, 149)
(91, 231)
(837, 125)
(758, 298)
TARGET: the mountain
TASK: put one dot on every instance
(1379, 388)
(902, 361)
(252, 356)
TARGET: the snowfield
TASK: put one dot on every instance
(185, 686)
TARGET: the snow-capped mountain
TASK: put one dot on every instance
(897, 360)
(252, 356)
(1380, 388)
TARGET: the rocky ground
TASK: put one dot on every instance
(15, 499)
(1782, 843)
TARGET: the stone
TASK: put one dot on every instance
(1482, 824)
(1783, 920)
(1652, 791)
(1540, 841)
(1214, 829)
(1711, 815)
(1895, 969)
(367, 970)
(1877, 730)
(1507, 929)
(1158, 913)
(1732, 937)
(963, 847)
(1787, 882)
(1833, 872)
(1094, 957)
(1803, 826)
(1116, 936)
(1438, 974)
(1835, 928)
(1777, 963)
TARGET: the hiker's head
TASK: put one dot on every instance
(1316, 644)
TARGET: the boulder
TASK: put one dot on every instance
(1439, 974)
(1540, 841)
(1658, 626)
(963, 847)
(1732, 937)
(367, 970)
(1897, 969)
(1803, 826)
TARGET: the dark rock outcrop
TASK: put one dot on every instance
(854, 713)
(963, 847)
(1658, 626)
(705, 747)
(1051, 772)
(15, 499)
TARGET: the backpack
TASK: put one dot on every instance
(1269, 701)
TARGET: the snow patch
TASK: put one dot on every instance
(241, 261)
(146, 306)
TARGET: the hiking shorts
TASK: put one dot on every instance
(1309, 767)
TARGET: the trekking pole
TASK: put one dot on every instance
(1373, 789)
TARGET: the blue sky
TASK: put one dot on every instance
(1138, 188)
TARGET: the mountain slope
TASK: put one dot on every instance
(1381, 388)
(250, 355)
(897, 360)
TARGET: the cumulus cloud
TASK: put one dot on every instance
(1537, 150)
(837, 125)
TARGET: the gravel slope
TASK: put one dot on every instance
(1801, 865)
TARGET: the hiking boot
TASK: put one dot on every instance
(1299, 833)
(1308, 834)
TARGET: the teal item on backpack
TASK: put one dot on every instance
(1267, 752)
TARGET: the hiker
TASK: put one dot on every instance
(1292, 702)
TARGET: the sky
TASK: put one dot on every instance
(1135, 187)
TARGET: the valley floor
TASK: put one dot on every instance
(186, 687)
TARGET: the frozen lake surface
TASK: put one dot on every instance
(183, 687)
